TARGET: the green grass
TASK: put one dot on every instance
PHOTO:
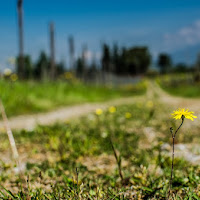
(29, 97)
(180, 85)
(75, 160)
(184, 90)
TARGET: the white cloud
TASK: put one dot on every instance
(186, 36)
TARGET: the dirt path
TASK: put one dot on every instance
(192, 104)
(63, 114)
(28, 122)
(178, 102)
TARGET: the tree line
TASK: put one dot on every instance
(114, 60)
(119, 61)
(40, 69)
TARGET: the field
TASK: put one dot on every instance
(180, 85)
(122, 152)
(100, 100)
(32, 97)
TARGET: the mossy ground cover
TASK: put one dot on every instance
(75, 159)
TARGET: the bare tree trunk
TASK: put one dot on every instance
(20, 69)
(52, 49)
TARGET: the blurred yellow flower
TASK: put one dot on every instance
(67, 122)
(99, 111)
(68, 75)
(177, 114)
(112, 109)
(128, 115)
(13, 77)
(149, 104)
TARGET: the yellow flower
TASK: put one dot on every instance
(177, 114)
(149, 104)
(68, 75)
(99, 111)
(67, 122)
(128, 115)
(14, 77)
(112, 109)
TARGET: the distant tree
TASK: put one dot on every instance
(92, 71)
(164, 62)
(115, 59)
(197, 69)
(198, 62)
(28, 66)
(84, 59)
(135, 60)
(123, 65)
(60, 68)
(71, 52)
(106, 58)
(42, 67)
(138, 60)
(180, 67)
(80, 67)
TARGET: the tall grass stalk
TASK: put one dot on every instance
(10, 135)
(118, 160)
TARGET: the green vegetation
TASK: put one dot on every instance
(75, 160)
(183, 90)
(180, 85)
(28, 97)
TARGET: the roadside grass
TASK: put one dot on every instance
(180, 85)
(31, 97)
(184, 90)
(75, 159)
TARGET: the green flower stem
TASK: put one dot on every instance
(173, 137)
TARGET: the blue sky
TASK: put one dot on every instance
(163, 25)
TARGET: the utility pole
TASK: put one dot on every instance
(52, 52)
(20, 67)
